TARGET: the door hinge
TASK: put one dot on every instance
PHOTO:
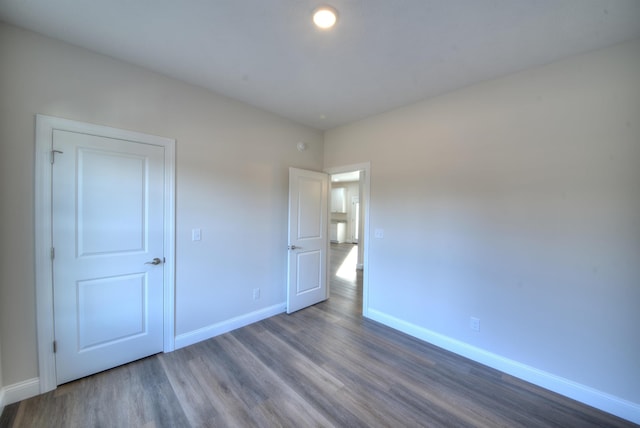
(53, 155)
(55, 346)
(53, 253)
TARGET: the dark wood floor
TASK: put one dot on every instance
(322, 366)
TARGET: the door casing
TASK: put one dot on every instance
(43, 234)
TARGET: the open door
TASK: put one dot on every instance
(308, 238)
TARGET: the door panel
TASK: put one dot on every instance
(108, 223)
(309, 271)
(100, 221)
(308, 238)
(99, 299)
(310, 203)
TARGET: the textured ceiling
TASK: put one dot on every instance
(382, 54)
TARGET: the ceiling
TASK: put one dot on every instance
(381, 55)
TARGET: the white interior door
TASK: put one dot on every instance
(308, 238)
(107, 228)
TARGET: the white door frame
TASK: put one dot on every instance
(43, 234)
(365, 204)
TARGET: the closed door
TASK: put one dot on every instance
(308, 238)
(108, 237)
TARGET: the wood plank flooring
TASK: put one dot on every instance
(322, 366)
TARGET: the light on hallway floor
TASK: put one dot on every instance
(347, 269)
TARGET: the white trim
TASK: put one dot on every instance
(582, 393)
(44, 266)
(226, 326)
(19, 391)
(43, 240)
(169, 244)
(365, 201)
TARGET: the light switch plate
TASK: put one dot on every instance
(196, 234)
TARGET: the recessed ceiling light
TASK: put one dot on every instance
(325, 17)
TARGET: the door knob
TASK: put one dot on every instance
(155, 261)
(293, 247)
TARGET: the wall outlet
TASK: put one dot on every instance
(256, 293)
(474, 324)
(378, 233)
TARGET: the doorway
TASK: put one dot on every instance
(85, 174)
(348, 243)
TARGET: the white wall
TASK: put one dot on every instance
(351, 190)
(1, 384)
(232, 168)
(521, 207)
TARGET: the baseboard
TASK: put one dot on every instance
(213, 330)
(19, 391)
(582, 393)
